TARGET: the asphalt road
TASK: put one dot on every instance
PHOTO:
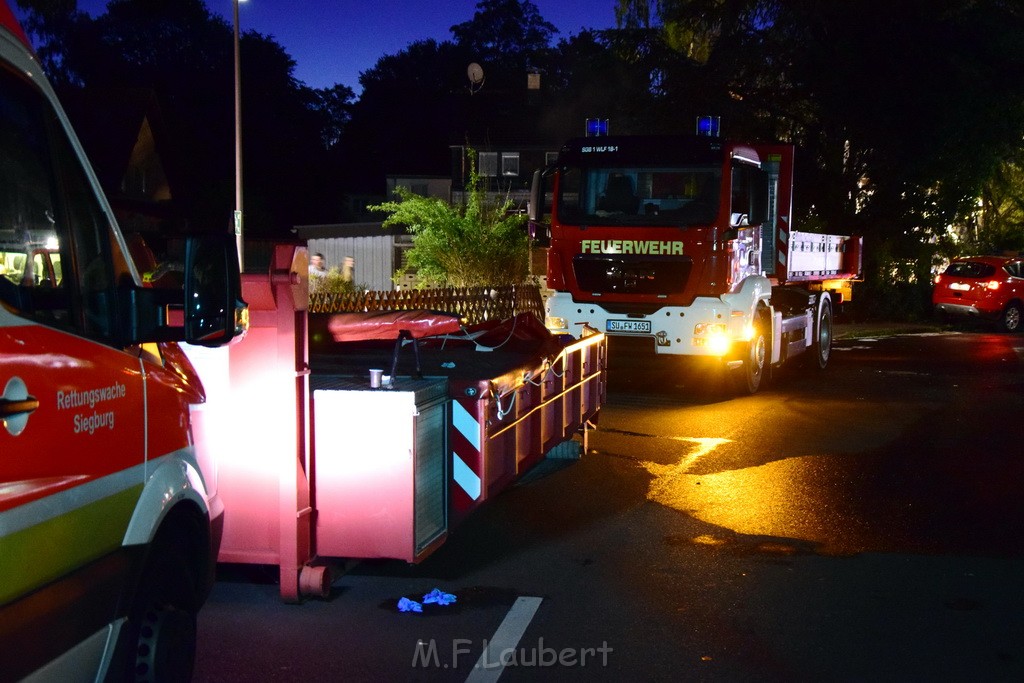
(862, 523)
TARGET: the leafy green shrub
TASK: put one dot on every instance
(334, 282)
(476, 244)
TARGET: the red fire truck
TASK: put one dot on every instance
(107, 530)
(684, 246)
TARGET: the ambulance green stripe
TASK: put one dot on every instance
(34, 556)
(54, 505)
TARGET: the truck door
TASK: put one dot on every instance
(72, 407)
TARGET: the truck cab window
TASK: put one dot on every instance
(640, 196)
(45, 198)
(570, 209)
(749, 193)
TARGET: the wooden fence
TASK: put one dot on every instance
(473, 304)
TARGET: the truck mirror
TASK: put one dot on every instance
(540, 230)
(540, 233)
(535, 208)
(214, 311)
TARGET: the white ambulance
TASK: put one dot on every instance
(107, 526)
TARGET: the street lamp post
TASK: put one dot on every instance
(238, 144)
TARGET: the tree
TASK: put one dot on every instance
(612, 75)
(1000, 225)
(335, 106)
(52, 22)
(917, 110)
(473, 245)
(183, 53)
(409, 111)
(903, 113)
(417, 102)
(509, 36)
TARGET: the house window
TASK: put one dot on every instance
(488, 164)
(510, 163)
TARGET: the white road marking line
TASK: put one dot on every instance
(489, 667)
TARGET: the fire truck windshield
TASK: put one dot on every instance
(641, 196)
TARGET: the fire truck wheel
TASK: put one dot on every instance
(162, 623)
(748, 378)
(821, 349)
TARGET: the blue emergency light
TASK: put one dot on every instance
(709, 126)
(597, 127)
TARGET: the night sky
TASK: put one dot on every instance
(332, 41)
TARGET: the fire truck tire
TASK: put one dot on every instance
(162, 622)
(756, 359)
(821, 349)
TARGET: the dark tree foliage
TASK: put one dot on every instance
(929, 92)
(184, 54)
(509, 35)
(1000, 227)
(416, 103)
(53, 22)
(904, 112)
(915, 105)
(591, 79)
(403, 121)
(335, 105)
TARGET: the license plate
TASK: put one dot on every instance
(960, 287)
(638, 326)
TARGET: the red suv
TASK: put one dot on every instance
(989, 287)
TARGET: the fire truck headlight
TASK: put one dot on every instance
(712, 336)
(556, 324)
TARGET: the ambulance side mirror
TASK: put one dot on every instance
(214, 313)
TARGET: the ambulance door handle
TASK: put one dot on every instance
(9, 408)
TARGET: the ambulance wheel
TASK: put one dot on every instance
(754, 372)
(821, 348)
(162, 623)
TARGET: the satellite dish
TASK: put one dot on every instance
(475, 72)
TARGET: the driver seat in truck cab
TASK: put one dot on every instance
(619, 195)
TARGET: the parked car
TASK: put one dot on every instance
(985, 287)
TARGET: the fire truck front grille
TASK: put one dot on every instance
(629, 274)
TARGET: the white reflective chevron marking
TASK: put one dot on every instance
(466, 424)
(465, 477)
